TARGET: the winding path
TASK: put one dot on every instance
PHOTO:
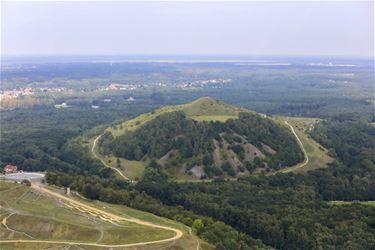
(306, 158)
(178, 233)
(4, 223)
(103, 162)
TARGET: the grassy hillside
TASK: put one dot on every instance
(27, 214)
(202, 109)
(317, 155)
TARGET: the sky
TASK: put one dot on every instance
(188, 28)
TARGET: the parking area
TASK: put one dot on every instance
(31, 176)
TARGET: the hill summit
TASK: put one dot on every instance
(203, 139)
(210, 109)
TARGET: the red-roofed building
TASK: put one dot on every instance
(8, 169)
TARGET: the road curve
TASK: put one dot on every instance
(177, 236)
(103, 162)
(306, 158)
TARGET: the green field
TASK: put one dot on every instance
(30, 215)
(131, 169)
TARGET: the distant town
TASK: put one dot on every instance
(16, 93)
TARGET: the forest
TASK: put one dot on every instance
(34, 138)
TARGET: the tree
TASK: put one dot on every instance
(154, 164)
(198, 226)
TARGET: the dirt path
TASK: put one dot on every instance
(198, 242)
(306, 158)
(178, 233)
(103, 162)
(4, 223)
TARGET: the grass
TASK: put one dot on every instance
(202, 109)
(116, 235)
(187, 241)
(131, 169)
(46, 218)
(317, 154)
(170, 246)
(220, 118)
(43, 218)
(45, 228)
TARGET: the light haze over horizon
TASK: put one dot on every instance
(188, 28)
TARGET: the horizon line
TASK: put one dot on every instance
(184, 55)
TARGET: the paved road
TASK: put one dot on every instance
(178, 233)
(104, 163)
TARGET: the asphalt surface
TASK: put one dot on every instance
(31, 176)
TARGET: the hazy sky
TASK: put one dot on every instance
(241, 28)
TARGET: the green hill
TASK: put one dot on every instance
(202, 109)
(204, 138)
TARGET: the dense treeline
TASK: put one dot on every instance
(351, 141)
(195, 140)
(166, 132)
(284, 217)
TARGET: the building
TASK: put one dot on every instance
(8, 169)
(62, 105)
